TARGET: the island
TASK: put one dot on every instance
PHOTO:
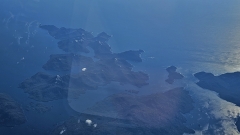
(65, 62)
(159, 113)
(71, 40)
(172, 74)
(45, 87)
(226, 85)
(83, 72)
(78, 40)
(11, 113)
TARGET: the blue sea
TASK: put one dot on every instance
(193, 35)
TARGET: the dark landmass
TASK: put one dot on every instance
(11, 113)
(100, 48)
(65, 62)
(71, 40)
(77, 40)
(44, 87)
(227, 85)
(88, 74)
(104, 37)
(173, 74)
(66, 33)
(131, 55)
(98, 73)
(73, 45)
(155, 114)
(40, 108)
(113, 70)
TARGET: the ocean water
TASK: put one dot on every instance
(193, 35)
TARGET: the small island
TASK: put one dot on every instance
(172, 74)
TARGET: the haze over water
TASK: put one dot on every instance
(193, 35)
